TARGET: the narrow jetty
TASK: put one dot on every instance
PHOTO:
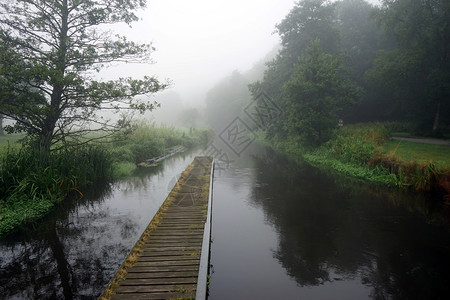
(170, 260)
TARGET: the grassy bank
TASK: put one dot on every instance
(365, 151)
(32, 184)
(148, 141)
(418, 152)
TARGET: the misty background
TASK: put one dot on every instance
(199, 46)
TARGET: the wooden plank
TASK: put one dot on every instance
(153, 296)
(167, 233)
(191, 262)
(188, 256)
(156, 288)
(185, 222)
(177, 245)
(171, 248)
(156, 272)
(177, 231)
(166, 260)
(154, 239)
(183, 209)
(180, 238)
(162, 226)
(172, 218)
(183, 213)
(170, 243)
(152, 255)
(160, 281)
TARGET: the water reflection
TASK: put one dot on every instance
(64, 256)
(329, 231)
(75, 251)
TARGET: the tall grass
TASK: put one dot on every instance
(31, 182)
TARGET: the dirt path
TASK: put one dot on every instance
(423, 140)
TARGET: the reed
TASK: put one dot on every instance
(31, 182)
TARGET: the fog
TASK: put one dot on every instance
(199, 42)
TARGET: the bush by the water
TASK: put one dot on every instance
(363, 145)
(355, 143)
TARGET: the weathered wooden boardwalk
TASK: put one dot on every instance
(170, 260)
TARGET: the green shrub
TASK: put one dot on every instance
(352, 149)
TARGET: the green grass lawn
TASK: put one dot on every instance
(419, 152)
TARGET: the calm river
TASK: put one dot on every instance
(281, 231)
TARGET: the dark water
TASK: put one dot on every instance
(74, 253)
(281, 231)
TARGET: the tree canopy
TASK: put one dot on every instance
(49, 53)
(315, 93)
(417, 71)
(393, 65)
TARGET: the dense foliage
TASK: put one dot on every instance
(416, 72)
(314, 94)
(389, 62)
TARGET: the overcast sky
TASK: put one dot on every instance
(198, 42)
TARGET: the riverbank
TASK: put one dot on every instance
(87, 237)
(31, 185)
(366, 151)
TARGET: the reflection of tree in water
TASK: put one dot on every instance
(329, 231)
(71, 255)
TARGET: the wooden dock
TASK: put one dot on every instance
(170, 260)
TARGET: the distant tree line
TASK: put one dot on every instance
(227, 99)
(354, 61)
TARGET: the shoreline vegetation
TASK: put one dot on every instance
(31, 185)
(367, 152)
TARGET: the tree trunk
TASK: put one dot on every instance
(1, 126)
(436, 117)
(54, 111)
